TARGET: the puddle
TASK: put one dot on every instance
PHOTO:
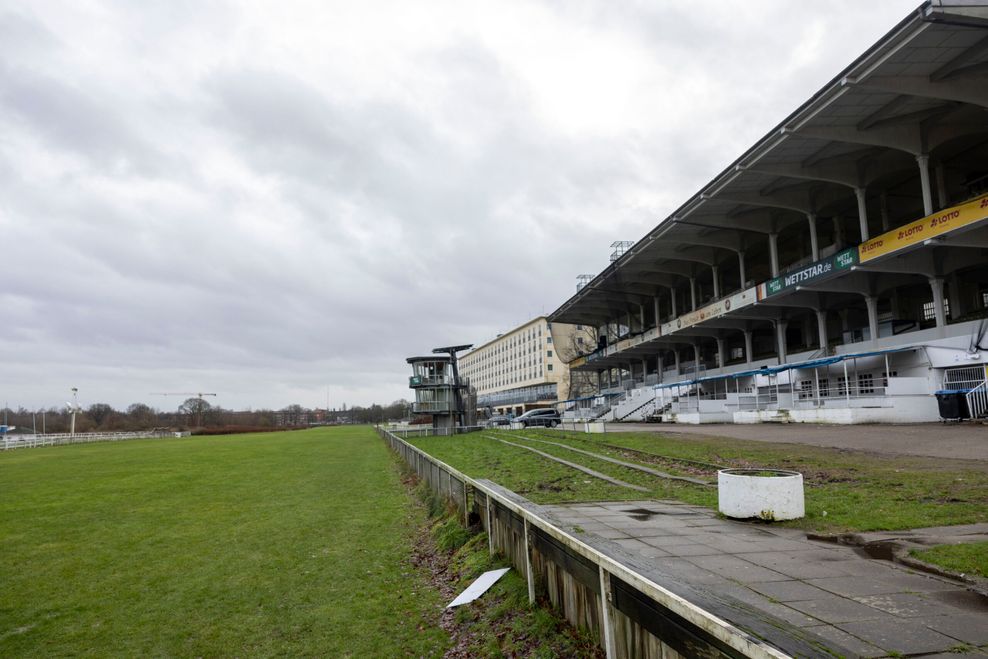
(883, 550)
(644, 514)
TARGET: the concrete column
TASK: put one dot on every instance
(884, 200)
(672, 293)
(692, 293)
(644, 367)
(773, 252)
(628, 321)
(936, 283)
(675, 352)
(872, 303)
(655, 307)
(780, 335)
(957, 306)
(720, 353)
(741, 272)
(659, 365)
(814, 243)
(940, 173)
(821, 328)
(748, 343)
(696, 360)
(641, 317)
(862, 213)
(923, 160)
(715, 271)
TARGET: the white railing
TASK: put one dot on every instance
(977, 401)
(58, 439)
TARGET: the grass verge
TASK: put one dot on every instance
(969, 559)
(290, 544)
(501, 623)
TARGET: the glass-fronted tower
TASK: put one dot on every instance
(438, 387)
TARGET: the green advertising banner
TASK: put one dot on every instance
(822, 269)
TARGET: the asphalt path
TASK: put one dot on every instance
(961, 441)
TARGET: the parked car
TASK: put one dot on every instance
(498, 420)
(547, 418)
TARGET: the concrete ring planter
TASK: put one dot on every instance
(768, 494)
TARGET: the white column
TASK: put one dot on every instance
(940, 172)
(655, 307)
(748, 343)
(780, 332)
(672, 293)
(696, 360)
(936, 283)
(675, 352)
(821, 328)
(720, 353)
(715, 271)
(923, 160)
(641, 317)
(862, 213)
(744, 276)
(692, 293)
(773, 252)
(872, 303)
(814, 244)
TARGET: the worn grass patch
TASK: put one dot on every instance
(256, 545)
(971, 558)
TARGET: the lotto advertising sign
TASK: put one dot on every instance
(914, 233)
(817, 271)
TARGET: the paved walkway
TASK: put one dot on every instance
(960, 441)
(856, 605)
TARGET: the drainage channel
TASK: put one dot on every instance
(629, 465)
(573, 465)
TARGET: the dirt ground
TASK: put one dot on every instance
(959, 441)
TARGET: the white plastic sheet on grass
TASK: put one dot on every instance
(478, 587)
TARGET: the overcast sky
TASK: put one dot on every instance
(280, 201)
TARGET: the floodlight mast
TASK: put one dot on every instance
(73, 409)
(197, 394)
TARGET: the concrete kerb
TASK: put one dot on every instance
(721, 629)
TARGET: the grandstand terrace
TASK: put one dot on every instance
(837, 271)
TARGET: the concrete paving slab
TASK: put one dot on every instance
(789, 591)
(965, 627)
(903, 605)
(834, 591)
(737, 569)
(902, 636)
(835, 609)
(852, 643)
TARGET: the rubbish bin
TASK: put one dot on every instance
(953, 403)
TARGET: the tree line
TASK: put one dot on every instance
(193, 413)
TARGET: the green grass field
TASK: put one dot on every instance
(291, 544)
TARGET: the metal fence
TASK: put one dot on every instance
(58, 439)
(631, 615)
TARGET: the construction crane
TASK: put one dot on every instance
(197, 394)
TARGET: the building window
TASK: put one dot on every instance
(737, 353)
(928, 310)
(805, 389)
(548, 339)
(549, 367)
(548, 353)
(866, 384)
(886, 376)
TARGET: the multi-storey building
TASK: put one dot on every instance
(523, 369)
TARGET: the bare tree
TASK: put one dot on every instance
(194, 408)
(100, 413)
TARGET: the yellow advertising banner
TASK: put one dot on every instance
(914, 233)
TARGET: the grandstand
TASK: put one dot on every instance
(836, 272)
